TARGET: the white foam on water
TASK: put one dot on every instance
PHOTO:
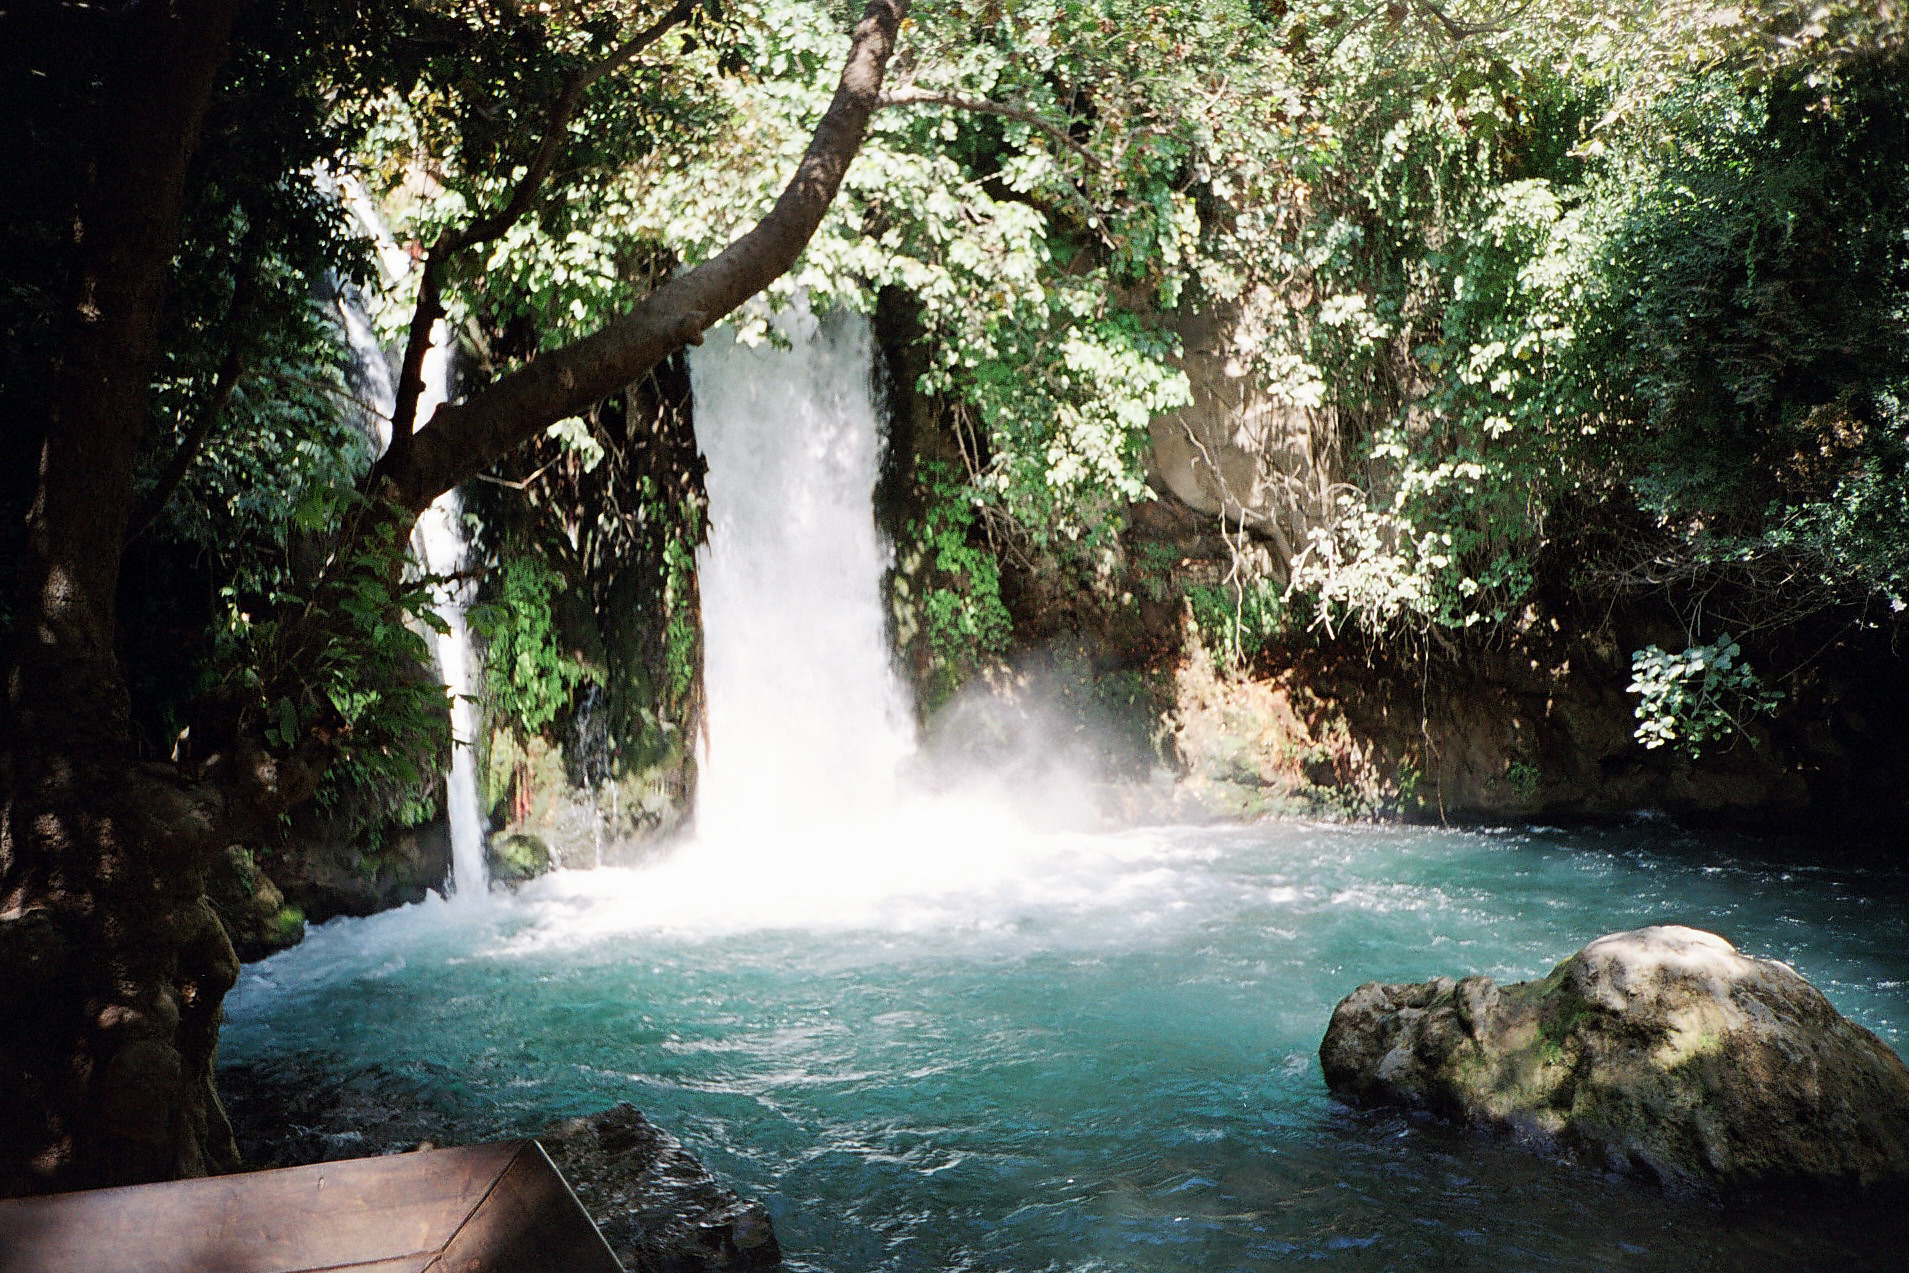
(932, 871)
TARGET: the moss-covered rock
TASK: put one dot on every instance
(329, 862)
(250, 906)
(1661, 1051)
(516, 857)
(617, 819)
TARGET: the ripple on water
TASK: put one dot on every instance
(1074, 1052)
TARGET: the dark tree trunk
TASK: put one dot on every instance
(114, 964)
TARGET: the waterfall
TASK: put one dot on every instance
(369, 375)
(813, 808)
(807, 720)
(445, 550)
(441, 545)
(439, 542)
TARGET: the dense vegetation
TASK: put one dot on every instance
(1559, 305)
(207, 152)
(1615, 287)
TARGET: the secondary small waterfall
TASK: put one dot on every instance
(442, 546)
(807, 719)
(445, 549)
(446, 552)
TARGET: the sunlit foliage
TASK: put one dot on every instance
(1606, 294)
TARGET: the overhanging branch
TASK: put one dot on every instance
(464, 438)
(430, 304)
(1459, 31)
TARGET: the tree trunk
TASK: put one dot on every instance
(114, 963)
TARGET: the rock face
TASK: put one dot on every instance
(661, 1211)
(329, 862)
(576, 814)
(250, 906)
(1661, 1051)
(516, 856)
(1270, 468)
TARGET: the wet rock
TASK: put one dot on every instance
(294, 1113)
(657, 1206)
(577, 808)
(250, 906)
(340, 861)
(1662, 1051)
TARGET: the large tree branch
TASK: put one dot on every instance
(463, 439)
(430, 304)
(912, 96)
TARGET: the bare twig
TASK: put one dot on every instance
(319, 386)
(1457, 30)
(522, 485)
(909, 95)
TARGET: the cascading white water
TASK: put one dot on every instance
(439, 542)
(446, 553)
(807, 719)
(803, 816)
(370, 380)
(442, 546)
(445, 550)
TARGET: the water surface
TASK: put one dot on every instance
(1074, 1052)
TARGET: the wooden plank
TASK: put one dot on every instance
(328, 1215)
(530, 1223)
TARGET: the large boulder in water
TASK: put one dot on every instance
(1662, 1051)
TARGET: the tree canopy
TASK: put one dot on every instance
(1576, 298)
